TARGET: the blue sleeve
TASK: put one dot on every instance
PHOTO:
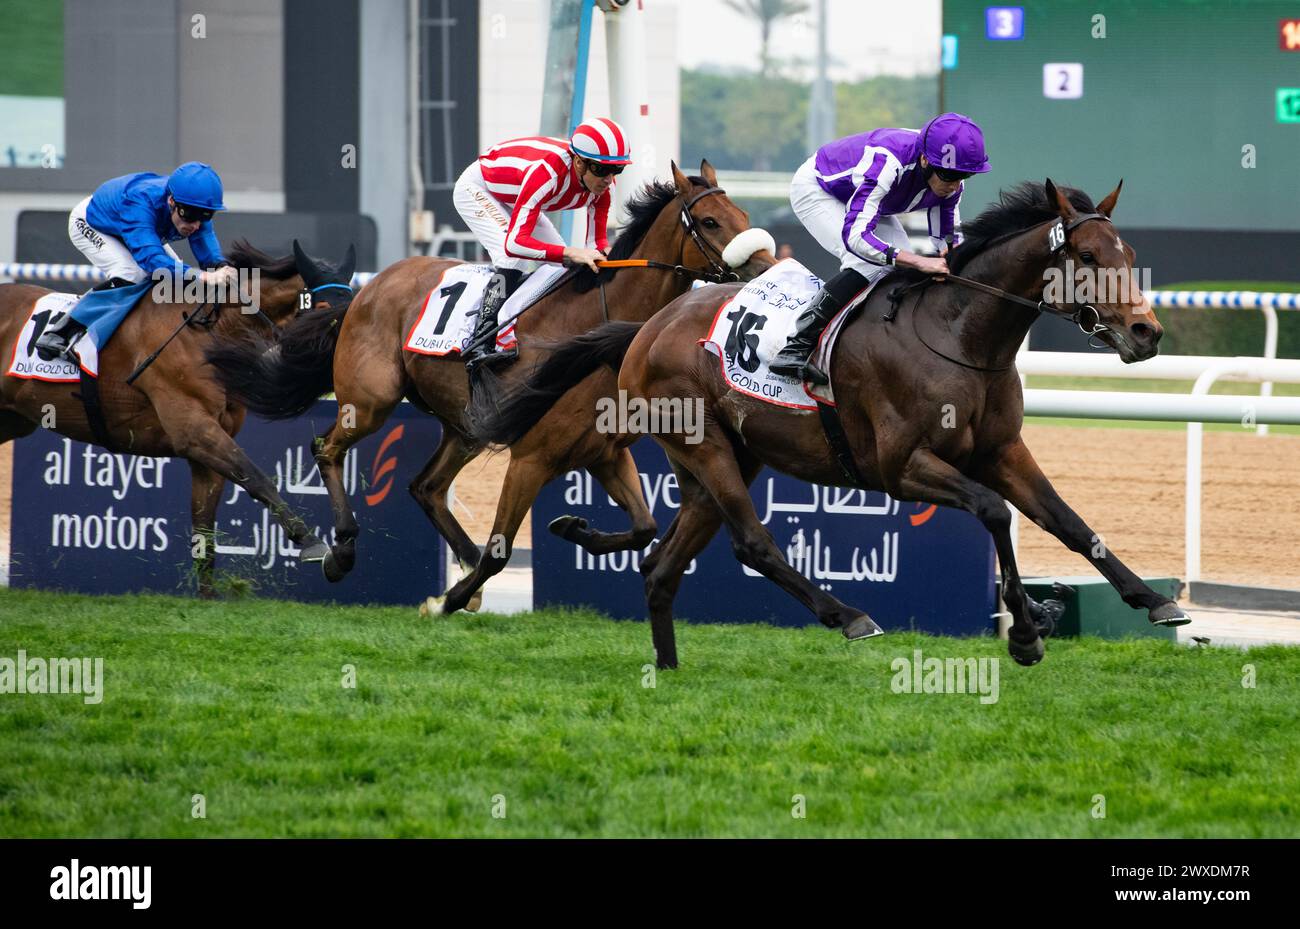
(140, 236)
(206, 248)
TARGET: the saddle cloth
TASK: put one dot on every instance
(753, 326)
(100, 311)
(25, 363)
(450, 312)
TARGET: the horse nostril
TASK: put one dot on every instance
(1144, 333)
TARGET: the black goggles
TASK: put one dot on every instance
(604, 170)
(947, 174)
(193, 214)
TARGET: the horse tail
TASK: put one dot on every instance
(505, 418)
(281, 379)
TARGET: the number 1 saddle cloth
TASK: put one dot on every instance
(446, 321)
(749, 329)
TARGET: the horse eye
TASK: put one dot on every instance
(710, 223)
(1088, 258)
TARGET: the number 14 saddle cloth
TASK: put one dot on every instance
(753, 326)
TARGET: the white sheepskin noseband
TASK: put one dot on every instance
(739, 249)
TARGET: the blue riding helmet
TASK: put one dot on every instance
(196, 184)
(957, 137)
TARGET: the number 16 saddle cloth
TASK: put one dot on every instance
(753, 326)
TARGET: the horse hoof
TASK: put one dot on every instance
(1046, 616)
(314, 551)
(1168, 614)
(566, 527)
(1027, 654)
(432, 606)
(475, 602)
(862, 627)
(333, 570)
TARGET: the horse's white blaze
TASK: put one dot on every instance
(743, 246)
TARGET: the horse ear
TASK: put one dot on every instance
(707, 172)
(306, 267)
(1108, 205)
(1058, 201)
(681, 180)
(349, 265)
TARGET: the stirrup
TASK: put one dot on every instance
(491, 359)
(814, 375)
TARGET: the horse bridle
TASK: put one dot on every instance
(1085, 315)
(718, 267)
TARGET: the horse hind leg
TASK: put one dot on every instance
(524, 478)
(621, 479)
(431, 489)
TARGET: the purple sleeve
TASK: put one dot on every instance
(864, 213)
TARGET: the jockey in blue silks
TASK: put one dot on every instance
(124, 229)
(848, 194)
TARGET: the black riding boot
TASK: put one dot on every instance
(793, 360)
(56, 340)
(503, 284)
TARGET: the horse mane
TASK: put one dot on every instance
(243, 255)
(643, 209)
(1022, 207)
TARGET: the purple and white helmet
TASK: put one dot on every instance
(953, 142)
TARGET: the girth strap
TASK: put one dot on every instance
(839, 442)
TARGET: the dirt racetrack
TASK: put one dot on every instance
(1126, 483)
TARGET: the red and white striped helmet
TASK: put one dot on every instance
(602, 140)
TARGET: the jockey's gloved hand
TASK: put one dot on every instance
(583, 256)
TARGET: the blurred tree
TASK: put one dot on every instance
(766, 12)
(742, 122)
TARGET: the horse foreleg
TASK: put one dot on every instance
(354, 423)
(1016, 475)
(198, 436)
(524, 478)
(928, 478)
(621, 479)
(205, 495)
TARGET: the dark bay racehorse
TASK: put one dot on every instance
(358, 352)
(930, 402)
(175, 407)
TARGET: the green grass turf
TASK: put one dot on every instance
(242, 702)
(31, 48)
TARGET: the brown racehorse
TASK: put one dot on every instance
(360, 356)
(930, 402)
(174, 408)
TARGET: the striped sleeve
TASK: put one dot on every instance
(538, 184)
(944, 221)
(598, 218)
(864, 208)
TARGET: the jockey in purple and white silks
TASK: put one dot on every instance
(848, 195)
